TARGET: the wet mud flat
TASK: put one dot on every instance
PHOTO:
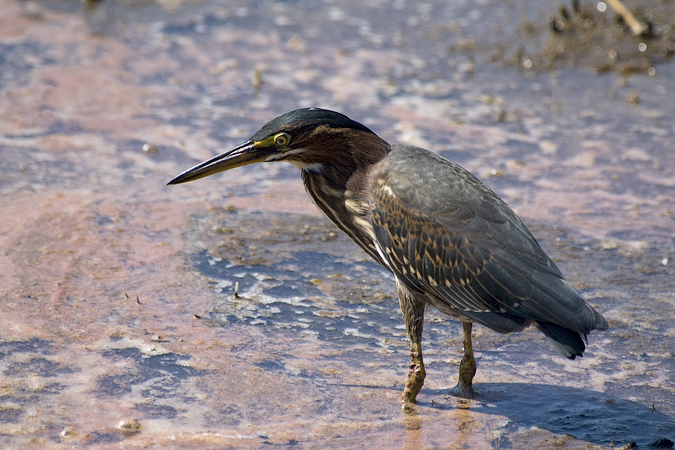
(119, 326)
(335, 295)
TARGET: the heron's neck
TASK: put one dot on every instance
(348, 166)
(340, 189)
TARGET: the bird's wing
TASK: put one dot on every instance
(447, 235)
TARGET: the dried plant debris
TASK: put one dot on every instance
(600, 36)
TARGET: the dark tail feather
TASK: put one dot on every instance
(568, 343)
(600, 322)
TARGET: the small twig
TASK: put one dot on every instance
(360, 289)
(138, 300)
(636, 27)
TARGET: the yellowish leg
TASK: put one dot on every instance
(413, 315)
(467, 367)
(415, 379)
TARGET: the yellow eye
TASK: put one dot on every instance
(282, 139)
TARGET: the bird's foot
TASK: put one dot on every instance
(408, 406)
(467, 370)
(462, 390)
(413, 385)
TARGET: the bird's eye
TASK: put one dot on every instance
(282, 139)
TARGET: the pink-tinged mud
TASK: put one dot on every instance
(119, 323)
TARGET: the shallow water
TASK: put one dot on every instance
(119, 324)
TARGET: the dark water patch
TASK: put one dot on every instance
(34, 345)
(226, 415)
(196, 25)
(10, 414)
(65, 127)
(352, 324)
(278, 298)
(18, 60)
(104, 437)
(157, 411)
(271, 366)
(587, 415)
(162, 375)
(27, 169)
(40, 366)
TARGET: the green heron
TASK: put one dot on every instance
(448, 239)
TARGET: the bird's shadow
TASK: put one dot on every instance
(587, 415)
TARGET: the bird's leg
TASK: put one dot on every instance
(416, 375)
(413, 314)
(467, 367)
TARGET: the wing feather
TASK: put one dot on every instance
(469, 253)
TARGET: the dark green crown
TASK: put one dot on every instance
(309, 118)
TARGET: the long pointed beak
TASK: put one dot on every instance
(245, 154)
